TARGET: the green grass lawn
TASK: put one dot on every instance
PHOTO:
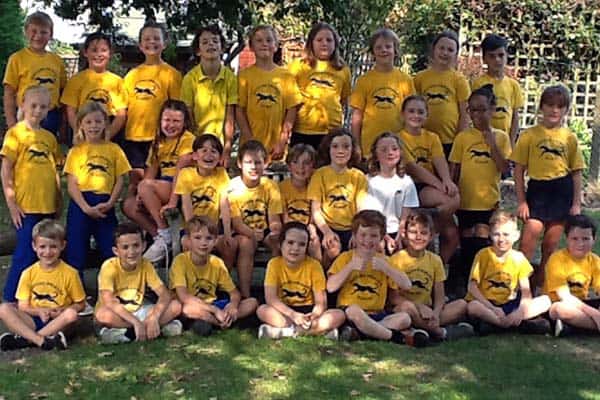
(235, 365)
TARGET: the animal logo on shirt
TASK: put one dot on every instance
(46, 294)
(578, 282)
(96, 167)
(365, 287)
(420, 279)
(38, 296)
(267, 95)
(299, 210)
(437, 94)
(45, 76)
(167, 164)
(254, 214)
(385, 98)
(550, 149)
(203, 288)
(421, 155)
(127, 302)
(502, 108)
(130, 298)
(203, 198)
(33, 153)
(38, 153)
(479, 153)
(499, 284)
(146, 89)
(99, 96)
(293, 292)
(338, 197)
(322, 80)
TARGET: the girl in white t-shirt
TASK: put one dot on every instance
(390, 191)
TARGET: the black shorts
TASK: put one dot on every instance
(447, 149)
(467, 219)
(550, 200)
(345, 237)
(136, 152)
(592, 302)
(420, 186)
(302, 309)
(313, 140)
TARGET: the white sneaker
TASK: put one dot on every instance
(87, 311)
(113, 336)
(157, 251)
(271, 332)
(173, 328)
(333, 334)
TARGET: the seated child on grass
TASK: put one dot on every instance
(121, 314)
(296, 302)
(49, 294)
(425, 301)
(499, 291)
(570, 273)
(363, 278)
(197, 275)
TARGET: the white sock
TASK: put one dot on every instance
(288, 331)
(165, 234)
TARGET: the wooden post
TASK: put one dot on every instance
(595, 156)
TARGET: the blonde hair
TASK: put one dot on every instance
(501, 217)
(88, 108)
(29, 91)
(49, 229)
(258, 28)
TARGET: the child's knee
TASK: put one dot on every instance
(103, 316)
(6, 309)
(407, 307)
(473, 308)
(354, 312)
(175, 307)
(70, 315)
(557, 310)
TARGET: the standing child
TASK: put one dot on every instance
(256, 210)
(30, 181)
(552, 158)
(203, 190)
(296, 302)
(499, 290)
(268, 96)
(478, 157)
(96, 83)
(363, 278)
(390, 192)
(121, 313)
(571, 273)
(210, 89)
(324, 82)
(95, 168)
(301, 160)
(33, 66)
(425, 301)
(147, 87)
(428, 166)
(508, 93)
(378, 94)
(337, 191)
(197, 275)
(49, 295)
(155, 191)
(445, 89)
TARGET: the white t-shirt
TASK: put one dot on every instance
(390, 195)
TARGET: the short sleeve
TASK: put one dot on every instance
(63, 73)
(436, 147)
(122, 165)
(525, 268)
(575, 158)
(271, 276)
(457, 150)
(314, 191)
(152, 278)
(504, 144)
(177, 273)
(340, 262)
(187, 89)
(70, 95)
(462, 89)
(75, 289)
(182, 183)
(555, 273)
(595, 273)
(24, 286)
(518, 98)
(11, 76)
(225, 282)
(346, 88)
(319, 283)
(275, 203)
(106, 277)
(476, 268)
(439, 274)
(411, 197)
(175, 87)
(10, 147)
(362, 187)
(243, 90)
(358, 98)
(293, 97)
(232, 89)
(520, 154)
(70, 166)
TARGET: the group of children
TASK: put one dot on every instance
(332, 229)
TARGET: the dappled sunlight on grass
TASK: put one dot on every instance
(588, 395)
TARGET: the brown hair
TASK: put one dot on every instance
(127, 228)
(297, 150)
(39, 18)
(324, 158)
(214, 29)
(368, 219)
(288, 226)
(389, 34)
(252, 146)
(154, 25)
(188, 123)
(88, 108)
(556, 94)
(198, 222)
(373, 165)
(335, 60)
(263, 27)
(500, 217)
(207, 137)
(419, 218)
(414, 97)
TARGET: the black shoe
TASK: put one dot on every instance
(484, 329)
(535, 326)
(459, 331)
(562, 329)
(58, 342)
(8, 342)
(202, 328)
(348, 334)
(417, 338)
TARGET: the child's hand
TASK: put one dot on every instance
(358, 263)
(596, 320)
(259, 234)
(302, 320)
(104, 207)
(523, 211)
(390, 244)
(16, 214)
(44, 314)
(450, 188)
(575, 209)
(94, 212)
(331, 240)
(426, 313)
(55, 312)
(489, 137)
(167, 207)
(223, 318)
(232, 313)
(229, 240)
(499, 312)
(152, 328)
(278, 150)
(514, 318)
(140, 331)
(380, 264)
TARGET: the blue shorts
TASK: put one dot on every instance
(221, 303)
(165, 178)
(512, 305)
(39, 324)
(379, 316)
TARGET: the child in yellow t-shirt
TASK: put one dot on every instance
(425, 301)
(210, 89)
(34, 66)
(96, 83)
(296, 302)
(551, 156)
(95, 168)
(479, 155)
(30, 180)
(377, 97)
(50, 295)
(499, 294)
(509, 95)
(196, 276)
(147, 87)
(255, 204)
(121, 314)
(363, 277)
(324, 82)
(570, 274)
(268, 96)
(445, 89)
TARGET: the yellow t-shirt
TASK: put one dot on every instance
(479, 176)
(367, 289)
(266, 96)
(35, 154)
(498, 280)
(296, 204)
(548, 153)
(340, 194)
(443, 91)
(422, 148)
(509, 97)
(205, 191)
(424, 272)
(296, 285)
(201, 281)
(26, 68)
(380, 95)
(105, 88)
(562, 269)
(323, 89)
(56, 287)
(254, 205)
(129, 287)
(147, 87)
(96, 166)
(208, 99)
(169, 151)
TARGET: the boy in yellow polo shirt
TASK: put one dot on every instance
(210, 89)
(33, 66)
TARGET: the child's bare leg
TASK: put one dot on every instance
(571, 315)
(271, 316)
(20, 323)
(65, 319)
(329, 320)
(132, 210)
(552, 235)
(247, 307)
(411, 309)
(478, 310)
(154, 194)
(532, 229)
(196, 313)
(453, 312)
(314, 249)
(226, 251)
(330, 253)
(107, 317)
(449, 237)
(536, 306)
(446, 206)
(247, 248)
(172, 311)
(135, 177)
(272, 242)
(372, 328)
